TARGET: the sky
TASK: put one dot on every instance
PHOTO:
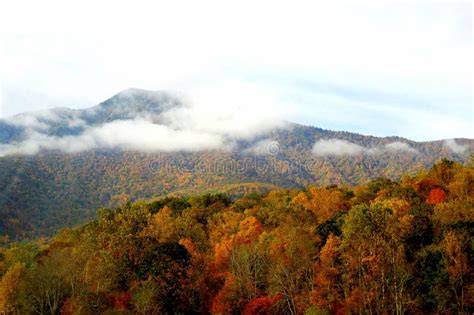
(381, 67)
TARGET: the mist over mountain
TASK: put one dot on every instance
(58, 165)
(53, 124)
(148, 121)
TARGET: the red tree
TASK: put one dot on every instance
(437, 195)
(261, 305)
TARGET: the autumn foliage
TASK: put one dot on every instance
(382, 248)
(436, 196)
(262, 305)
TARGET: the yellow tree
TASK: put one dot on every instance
(324, 203)
(9, 287)
(292, 251)
(326, 291)
(457, 267)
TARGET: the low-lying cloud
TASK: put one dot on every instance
(338, 147)
(208, 119)
(456, 147)
(399, 147)
(138, 134)
(264, 147)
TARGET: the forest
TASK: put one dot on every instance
(385, 247)
(43, 193)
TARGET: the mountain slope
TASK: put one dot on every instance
(42, 192)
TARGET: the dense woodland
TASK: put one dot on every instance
(42, 193)
(388, 247)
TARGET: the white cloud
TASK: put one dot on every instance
(138, 134)
(336, 147)
(456, 147)
(146, 136)
(232, 108)
(264, 147)
(37, 141)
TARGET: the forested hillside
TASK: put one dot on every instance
(44, 192)
(385, 247)
(44, 187)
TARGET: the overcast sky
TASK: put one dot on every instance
(381, 68)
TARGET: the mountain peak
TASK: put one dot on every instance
(133, 102)
(134, 95)
(133, 92)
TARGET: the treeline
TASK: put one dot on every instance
(383, 248)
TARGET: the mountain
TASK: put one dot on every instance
(60, 122)
(61, 164)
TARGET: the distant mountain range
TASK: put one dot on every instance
(57, 166)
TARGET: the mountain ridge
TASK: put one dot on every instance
(141, 99)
